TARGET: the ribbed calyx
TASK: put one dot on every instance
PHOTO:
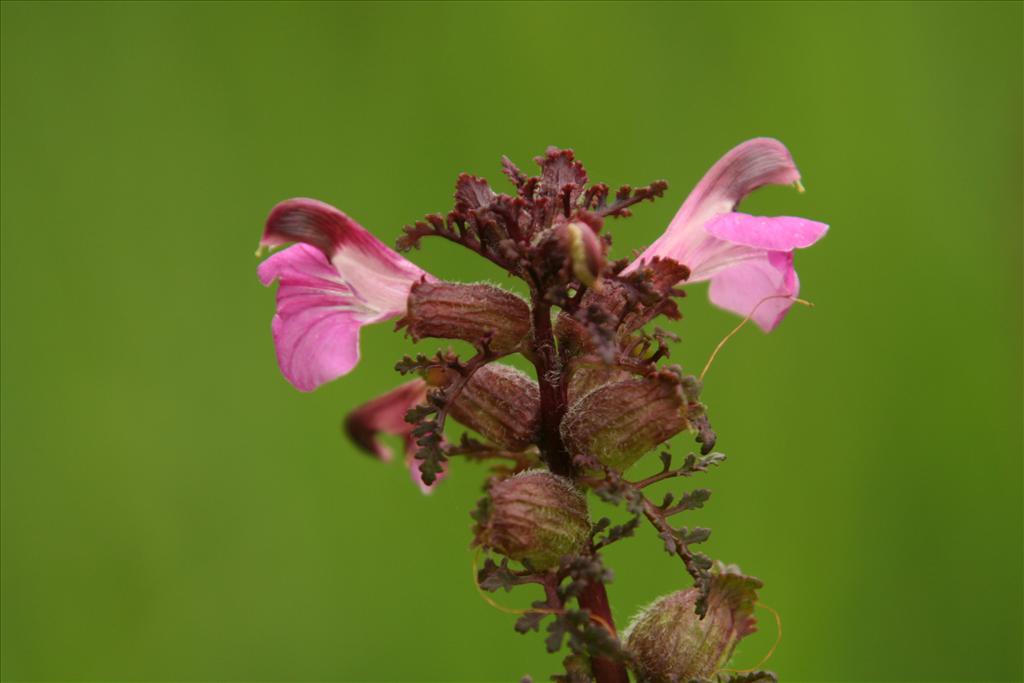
(669, 643)
(620, 421)
(535, 517)
(449, 310)
(502, 404)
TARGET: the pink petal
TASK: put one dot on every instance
(783, 233)
(316, 326)
(385, 415)
(377, 274)
(742, 287)
(340, 279)
(757, 162)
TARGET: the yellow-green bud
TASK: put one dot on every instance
(586, 252)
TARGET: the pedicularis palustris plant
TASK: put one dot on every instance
(602, 393)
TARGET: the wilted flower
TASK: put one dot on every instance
(747, 258)
(386, 415)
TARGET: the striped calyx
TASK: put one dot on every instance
(535, 517)
(620, 421)
(473, 313)
(502, 404)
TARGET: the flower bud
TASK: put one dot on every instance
(449, 310)
(586, 252)
(575, 250)
(502, 404)
(536, 517)
(619, 422)
(670, 643)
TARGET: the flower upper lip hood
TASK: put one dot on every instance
(746, 258)
(338, 278)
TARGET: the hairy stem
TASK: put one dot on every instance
(594, 599)
(553, 403)
(553, 398)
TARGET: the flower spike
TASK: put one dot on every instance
(601, 394)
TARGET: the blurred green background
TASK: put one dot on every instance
(173, 510)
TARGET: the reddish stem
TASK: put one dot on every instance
(553, 404)
(553, 397)
(594, 599)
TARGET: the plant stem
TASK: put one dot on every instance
(594, 598)
(553, 403)
(553, 398)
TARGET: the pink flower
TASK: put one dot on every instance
(386, 415)
(339, 278)
(746, 258)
